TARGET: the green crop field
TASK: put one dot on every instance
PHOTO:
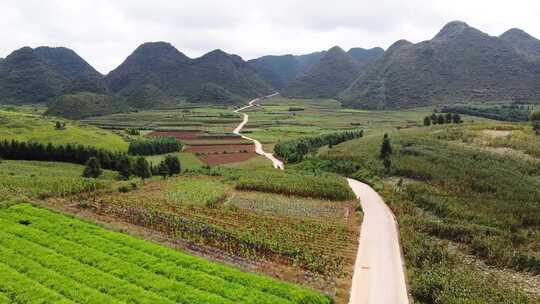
(31, 179)
(203, 118)
(29, 127)
(49, 257)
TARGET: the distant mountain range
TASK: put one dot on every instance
(459, 64)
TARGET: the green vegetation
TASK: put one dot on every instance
(327, 186)
(60, 259)
(510, 112)
(32, 179)
(77, 154)
(153, 146)
(535, 120)
(92, 168)
(85, 104)
(293, 151)
(212, 217)
(455, 200)
(28, 127)
(188, 191)
(188, 160)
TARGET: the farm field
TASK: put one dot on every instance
(465, 210)
(211, 213)
(201, 118)
(49, 257)
(34, 179)
(29, 127)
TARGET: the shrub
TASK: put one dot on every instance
(93, 168)
(152, 146)
(293, 151)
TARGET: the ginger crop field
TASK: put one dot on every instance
(53, 258)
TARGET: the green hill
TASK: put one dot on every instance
(28, 127)
(42, 74)
(85, 104)
(162, 66)
(331, 75)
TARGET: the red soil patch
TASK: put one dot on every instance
(219, 159)
(210, 149)
(177, 134)
(223, 154)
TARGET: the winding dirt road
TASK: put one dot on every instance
(258, 146)
(379, 276)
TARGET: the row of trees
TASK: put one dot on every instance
(293, 151)
(94, 159)
(139, 167)
(152, 146)
(442, 119)
(504, 112)
(69, 153)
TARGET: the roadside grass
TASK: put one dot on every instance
(445, 192)
(33, 179)
(29, 127)
(55, 258)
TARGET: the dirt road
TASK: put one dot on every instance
(258, 146)
(379, 271)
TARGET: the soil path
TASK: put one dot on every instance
(258, 146)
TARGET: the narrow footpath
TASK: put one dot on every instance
(379, 276)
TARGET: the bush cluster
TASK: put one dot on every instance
(153, 146)
(293, 151)
(69, 153)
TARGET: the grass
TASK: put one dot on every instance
(327, 186)
(206, 191)
(29, 127)
(33, 179)
(55, 258)
(188, 160)
(273, 122)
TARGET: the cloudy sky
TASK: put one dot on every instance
(104, 32)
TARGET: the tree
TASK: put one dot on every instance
(163, 169)
(434, 119)
(141, 168)
(440, 119)
(448, 117)
(93, 168)
(386, 148)
(535, 121)
(427, 121)
(456, 118)
(124, 167)
(173, 164)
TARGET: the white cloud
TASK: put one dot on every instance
(104, 32)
